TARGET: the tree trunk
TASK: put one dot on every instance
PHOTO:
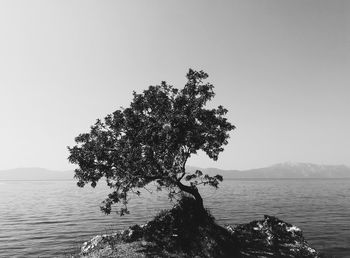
(194, 192)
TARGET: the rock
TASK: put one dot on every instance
(109, 241)
(133, 233)
(97, 243)
(185, 231)
(271, 237)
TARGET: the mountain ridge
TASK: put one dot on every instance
(35, 174)
(286, 170)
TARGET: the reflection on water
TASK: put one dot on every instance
(51, 218)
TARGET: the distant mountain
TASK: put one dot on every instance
(285, 170)
(282, 170)
(35, 174)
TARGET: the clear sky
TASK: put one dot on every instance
(281, 68)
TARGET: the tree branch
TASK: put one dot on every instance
(193, 190)
(183, 168)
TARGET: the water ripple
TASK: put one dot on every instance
(54, 218)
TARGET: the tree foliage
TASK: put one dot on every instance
(152, 140)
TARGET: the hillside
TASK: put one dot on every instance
(285, 170)
(35, 174)
(282, 170)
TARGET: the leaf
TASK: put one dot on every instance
(151, 140)
(199, 173)
(219, 178)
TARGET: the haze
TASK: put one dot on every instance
(281, 68)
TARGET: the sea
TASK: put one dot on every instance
(54, 218)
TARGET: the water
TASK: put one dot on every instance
(53, 218)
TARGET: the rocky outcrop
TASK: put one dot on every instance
(185, 232)
(108, 243)
(271, 237)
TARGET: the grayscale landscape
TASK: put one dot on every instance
(151, 129)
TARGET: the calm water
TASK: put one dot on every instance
(53, 218)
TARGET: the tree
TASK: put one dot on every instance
(151, 141)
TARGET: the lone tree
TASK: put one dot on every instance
(151, 141)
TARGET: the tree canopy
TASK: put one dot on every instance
(151, 141)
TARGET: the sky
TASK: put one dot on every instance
(281, 68)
